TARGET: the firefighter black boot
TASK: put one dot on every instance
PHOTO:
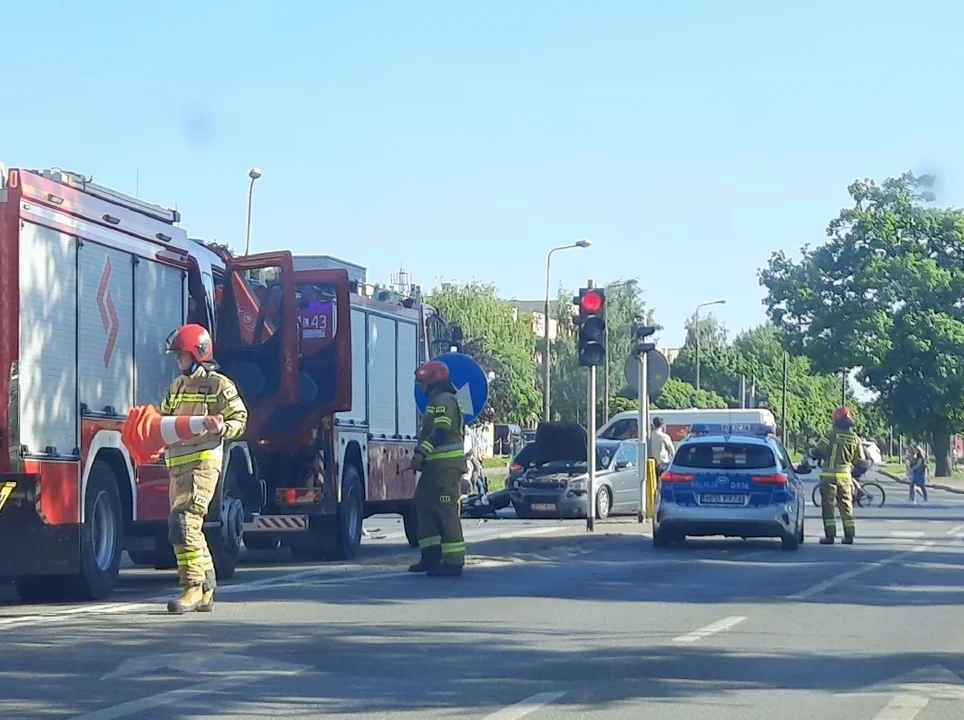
(430, 559)
(827, 539)
(848, 539)
(445, 570)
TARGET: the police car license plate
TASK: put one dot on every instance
(543, 506)
(722, 499)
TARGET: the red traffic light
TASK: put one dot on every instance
(592, 301)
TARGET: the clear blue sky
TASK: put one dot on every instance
(464, 139)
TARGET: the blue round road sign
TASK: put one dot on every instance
(470, 381)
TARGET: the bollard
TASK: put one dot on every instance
(650, 486)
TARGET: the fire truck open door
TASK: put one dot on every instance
(257, 338)
(285, 339)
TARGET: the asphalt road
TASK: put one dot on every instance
(551, 623)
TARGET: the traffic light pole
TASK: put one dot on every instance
(642, 454)
(591, 451)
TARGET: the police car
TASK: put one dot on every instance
(731, 480)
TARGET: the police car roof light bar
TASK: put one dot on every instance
(748, 429)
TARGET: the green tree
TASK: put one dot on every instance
(501, 341)
(680, 395)
(884, 295)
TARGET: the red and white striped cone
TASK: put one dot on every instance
(146, 432)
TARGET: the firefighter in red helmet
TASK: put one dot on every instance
(194, 465)
(843, 454)
(440, 457)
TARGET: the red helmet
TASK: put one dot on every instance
(193, 339)
(432, 372)
(842, 414)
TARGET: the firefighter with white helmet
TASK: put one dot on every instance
(194, 465)
(441, 458)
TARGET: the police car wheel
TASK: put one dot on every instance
(661, 539)
(790, 541)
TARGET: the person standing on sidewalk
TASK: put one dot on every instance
(661, 447)
(918, 474)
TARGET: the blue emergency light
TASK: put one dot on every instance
(751, 429)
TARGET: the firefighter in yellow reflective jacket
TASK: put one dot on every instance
(194, 465)
(841, 452)
(440, 457)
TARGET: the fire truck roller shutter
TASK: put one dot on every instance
(359, 368)
(48, 331)
(106, 329)
(159, 307)
(407, 364)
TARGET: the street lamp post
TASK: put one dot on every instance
(545, 335)
(618, 283)
(697, 331)
(254, 174)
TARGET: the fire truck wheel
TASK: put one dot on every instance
(225, 541)
(410, 521)
(260, 541)
(351, 512)
(40, 588)
(100, 536)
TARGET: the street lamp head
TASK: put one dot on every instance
(633, 281)
(254, 173)
(718, 302)
(583, 243)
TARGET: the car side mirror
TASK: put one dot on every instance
(623, 464)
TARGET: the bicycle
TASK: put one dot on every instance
(868, 495)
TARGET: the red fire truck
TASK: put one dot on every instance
(92, 283)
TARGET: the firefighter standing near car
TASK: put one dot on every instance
(194, 465)
(440, 457)
(842, 453)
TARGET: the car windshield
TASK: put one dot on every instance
(724, 456)
(624, 429)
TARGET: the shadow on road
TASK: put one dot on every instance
(395, 667)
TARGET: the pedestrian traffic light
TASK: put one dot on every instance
(640, 333)
(592, 326)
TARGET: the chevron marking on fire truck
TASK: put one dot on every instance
(281, 522)
(108, 313)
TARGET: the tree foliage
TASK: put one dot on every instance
(884, 294)
(502, 342)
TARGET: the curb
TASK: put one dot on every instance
(930, 485)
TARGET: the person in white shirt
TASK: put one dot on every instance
(661, 447)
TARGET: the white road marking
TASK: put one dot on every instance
(850, 574)
(523, 708)
(711, 629)
(330, 574)
(166, 698)
(903, 706)
(907, 533)
(956, 529)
